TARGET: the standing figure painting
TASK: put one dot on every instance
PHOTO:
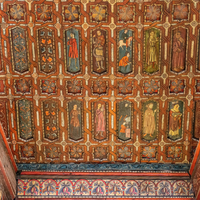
(73, 62)
(179, 50)
(175, 120)
(124, 115)
(152, 47)
(100, 131)
(75, 123)
(125, 51)
(99, 50)
(149, 120)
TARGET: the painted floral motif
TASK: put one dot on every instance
(23, 86)
(147, 188)
(115, 188)
(27, 151)
(52, 152)
(100, 153)
(33, 188)
(174, 152)
(71, 13)
(125, 87)
(65, 188)
(44, 12)
(50, 112)
(49, 187)
(20, 60)
(177, 86)
(149, 152)
(99, 87)
(46, 50)
(181, 12)
(124, 152)
(76, 152)
(164, 189)
(106, 188)
(131, 188)
(25, 119)
(153, 13)
(20, 188)
(1, 86)
(98, 188)
(3, 116)
(126, 13)
(48, 86)
(198, 86)
(74, 87)
(151, 87)
(98, 13)
(82, 188)
(17, 12)
(180, 189)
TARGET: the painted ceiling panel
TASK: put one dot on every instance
(100, 81)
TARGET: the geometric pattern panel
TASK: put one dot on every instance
(119, 84)
(104, 188)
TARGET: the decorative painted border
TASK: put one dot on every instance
(107, 188)
(122, 167)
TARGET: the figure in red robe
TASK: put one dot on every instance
(100, 121)
(73, 50)
(178, 60)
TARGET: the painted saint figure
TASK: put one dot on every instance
(151, 50)
(175, 121)
(151, 64)
(100, 121)
(178, 54)
(149, 124)
(125, 50)
(73, 50)
(74, 121)
(98, 50)
(124, 120)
